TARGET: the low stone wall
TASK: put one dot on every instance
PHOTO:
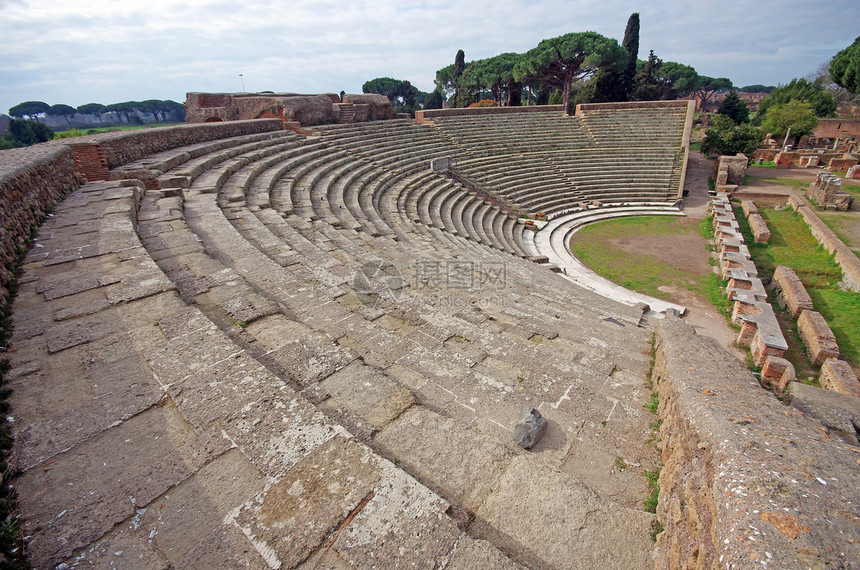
(32, 180)
(847, 260)
(746, 480)
(127, 146)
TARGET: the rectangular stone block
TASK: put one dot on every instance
(777, 373)
(837, 375)
(759, 228)
(817, 337)
(791, 291)
(761, 349)
(748, 207)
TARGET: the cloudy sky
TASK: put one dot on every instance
(106, 51)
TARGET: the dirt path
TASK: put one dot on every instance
(681, 254)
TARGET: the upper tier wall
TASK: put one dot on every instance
(585, 107)
(127, 146)
(429, 114)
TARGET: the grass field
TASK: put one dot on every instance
(642, 272)
(792, 244)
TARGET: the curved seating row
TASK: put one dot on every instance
(553, 241)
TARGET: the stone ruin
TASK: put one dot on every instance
(729, 172)
(827, 192)
(293, 109)
(759, 327)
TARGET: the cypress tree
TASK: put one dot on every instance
(631, 44)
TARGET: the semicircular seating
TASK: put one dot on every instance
(292, 313)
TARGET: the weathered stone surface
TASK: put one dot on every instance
(839, 413)
(530, 428)
(837, 375)
(313, 499)
(372, 396)
(462, 464)
(470, 554)
(719, 427)
(572, 514)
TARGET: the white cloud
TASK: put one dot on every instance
(111, 50)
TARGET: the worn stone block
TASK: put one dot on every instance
(839, 412)
(459, 461)
(791, 291)
(817, 337)
(748, 207)
(777, 373)
(837, 375)
(761, 233)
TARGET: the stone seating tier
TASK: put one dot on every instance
(273, 350)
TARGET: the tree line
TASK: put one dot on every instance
(27, 126)
(127, 111)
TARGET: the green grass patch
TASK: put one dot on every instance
(697, 146)
(841, 223)
(650, 502)
(787, 182)
(637, 271)
(642, 272)
(792, 244)
(77, 133)
(652, 404)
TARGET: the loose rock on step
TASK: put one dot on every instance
(529, 429)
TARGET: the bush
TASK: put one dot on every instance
(71, 133)
(25, 132)
(725, 137)
(483, 103)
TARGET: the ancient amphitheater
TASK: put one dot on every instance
(241, 346)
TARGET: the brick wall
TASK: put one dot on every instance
(816, 335)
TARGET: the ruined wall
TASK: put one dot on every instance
(307, 110)
(847, 260)
(379, 107)
(746, 480)
(32, 180)
(832, 128)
